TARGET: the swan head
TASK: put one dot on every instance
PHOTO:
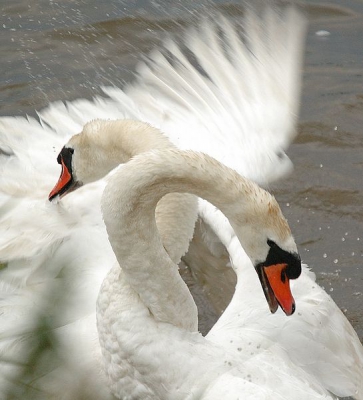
(99, 148)
(266, 237)
(275, 273)
(89, 156)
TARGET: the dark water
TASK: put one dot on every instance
(325, 193)
(62, 50)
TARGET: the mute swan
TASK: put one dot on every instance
(146, 317)
(187, 106)
(75, 327)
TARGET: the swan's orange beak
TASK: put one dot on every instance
(277, 290)
(275, 273)
(66, 182)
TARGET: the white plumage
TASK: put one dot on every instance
(242, 110)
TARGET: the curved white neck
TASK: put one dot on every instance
(130, 199)
(104, 145)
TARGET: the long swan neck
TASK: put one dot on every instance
(137, 246)
(124, 140)
(105, 144)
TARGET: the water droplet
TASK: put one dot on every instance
(322, 33)
(331, 289)
(335, 261)
(343, 239)
(325, 255)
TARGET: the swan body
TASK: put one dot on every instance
(245, 123)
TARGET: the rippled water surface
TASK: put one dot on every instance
(62, 50)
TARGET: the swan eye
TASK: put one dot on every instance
(271, 243)
(65, 154)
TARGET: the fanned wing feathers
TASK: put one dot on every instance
(238, 101)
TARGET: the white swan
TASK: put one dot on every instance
(222, 112)
(146, 317)
(74, 324)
